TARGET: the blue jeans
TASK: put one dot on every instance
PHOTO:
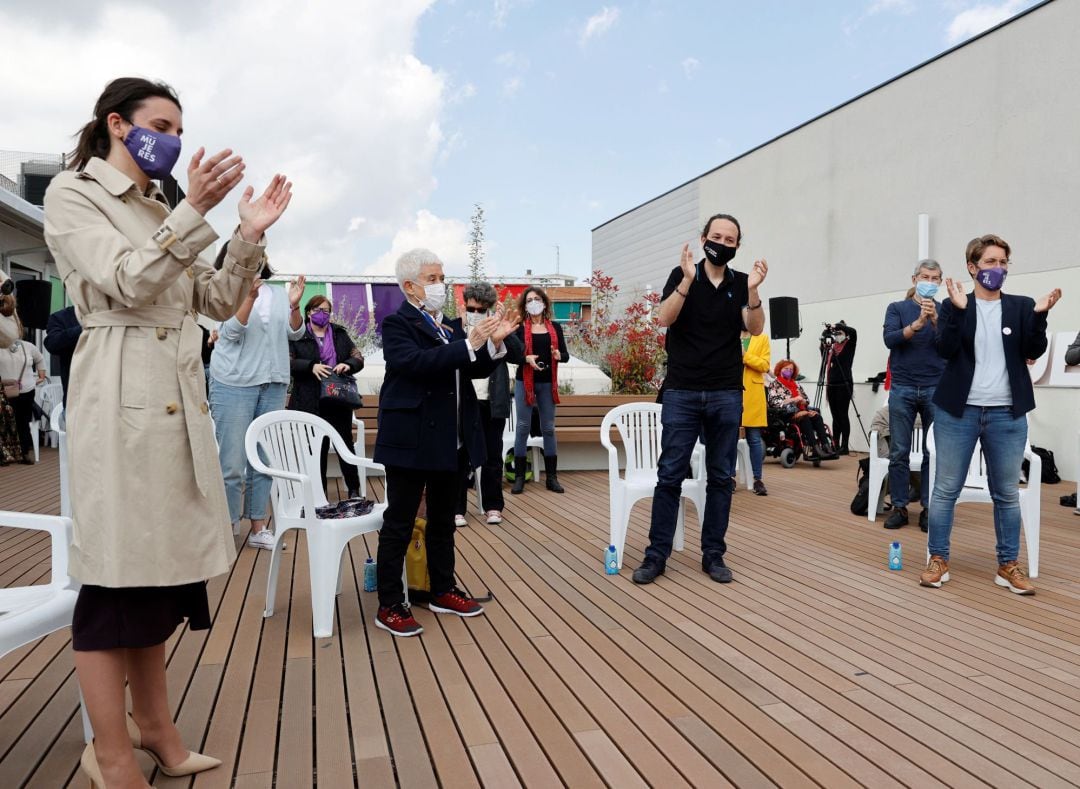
(1003, 439)
(524, 419)
(685, 416)
(904, 403)
(757, 448)
(233, 409)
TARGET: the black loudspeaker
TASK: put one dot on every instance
(784, 317)
(33, 301)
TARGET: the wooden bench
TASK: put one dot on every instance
(577, 417)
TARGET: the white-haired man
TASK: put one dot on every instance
(429, 425)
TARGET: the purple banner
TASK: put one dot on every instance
(351, 304)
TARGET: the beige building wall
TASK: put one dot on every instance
(982, 139)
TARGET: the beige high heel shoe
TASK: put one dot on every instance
(89, 765)
(194, 763)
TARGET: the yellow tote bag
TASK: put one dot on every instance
(416, 569)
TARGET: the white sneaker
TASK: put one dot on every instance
(494, 516)
(459, 520)
(261, 539)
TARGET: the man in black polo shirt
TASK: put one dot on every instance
(705, 306)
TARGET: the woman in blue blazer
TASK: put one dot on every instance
(984, 394)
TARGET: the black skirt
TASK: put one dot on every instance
(136, 617)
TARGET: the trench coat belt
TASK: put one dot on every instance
(192, 393)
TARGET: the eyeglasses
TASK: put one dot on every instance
(476, 309)
(323, 310)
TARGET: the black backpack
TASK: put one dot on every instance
(1050, 474)
(861, 502)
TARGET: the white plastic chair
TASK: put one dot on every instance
(534, 443)
(977, 489)
(373, 468)
(290, 442)
(879, 469)
(58, 425)
(48, 396)
(640, 433)
(742, 464)
(29, 612)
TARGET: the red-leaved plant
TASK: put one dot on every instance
(628, 349)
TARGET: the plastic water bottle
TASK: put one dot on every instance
(371, 582)
(611, 561)
(895, 559)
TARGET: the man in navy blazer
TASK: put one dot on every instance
(984, 395)
(429, 426)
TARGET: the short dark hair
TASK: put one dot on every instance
(977, 246)
(539, 292)
(122, 96)
(728, 217)
(483, 292)
(315, 301)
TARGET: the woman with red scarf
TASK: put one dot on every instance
(537, 383)
(788, 397)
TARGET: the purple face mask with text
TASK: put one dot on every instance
(154, 152)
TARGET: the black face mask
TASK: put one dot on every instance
(718, 254)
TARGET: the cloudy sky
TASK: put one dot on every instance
(394, 118)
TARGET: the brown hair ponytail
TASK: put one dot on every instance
(122, 96)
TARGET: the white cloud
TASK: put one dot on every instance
(512, 60)
(447, 238)
(979, 18)
(879, 7)
(599, 23)
(511, 86)
(690, 67)
(501, 11)
(330, 94)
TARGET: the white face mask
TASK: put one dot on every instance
(534, 307)
(434, 295)
(474, 318)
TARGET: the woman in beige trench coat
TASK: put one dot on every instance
(148, 503)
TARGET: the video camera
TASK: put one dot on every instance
(831, 329)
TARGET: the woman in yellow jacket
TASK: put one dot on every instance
(754, 413)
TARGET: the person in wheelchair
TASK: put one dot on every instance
(787, 398)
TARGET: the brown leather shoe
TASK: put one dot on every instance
(936, 572)
(1010, 575)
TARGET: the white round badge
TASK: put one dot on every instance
(1006, 331)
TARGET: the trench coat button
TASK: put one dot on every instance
(172, 408)
(189, 272)
(162, 332)
(204, 408)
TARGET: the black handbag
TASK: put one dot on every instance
(339, 389)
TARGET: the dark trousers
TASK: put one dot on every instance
(839, 401)
(491, 473)
(685, 415)
(404, 487)
(812, 429)
(340, 418)
(23, 406)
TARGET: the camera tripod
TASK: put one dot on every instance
(826, 363)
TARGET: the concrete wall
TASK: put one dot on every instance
(981, 140)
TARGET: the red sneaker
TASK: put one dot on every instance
(398, 619)
(455, 601)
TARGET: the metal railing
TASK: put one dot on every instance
(28, 174)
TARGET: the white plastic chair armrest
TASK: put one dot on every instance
(59, 529)
(873, 444)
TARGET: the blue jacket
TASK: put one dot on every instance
(1023, 333)
(418, 417)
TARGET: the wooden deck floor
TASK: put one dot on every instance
(816, 667)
